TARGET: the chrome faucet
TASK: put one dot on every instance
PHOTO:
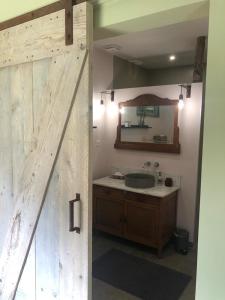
(147, 164)
(156, 164)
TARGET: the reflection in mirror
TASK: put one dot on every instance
(148, 124)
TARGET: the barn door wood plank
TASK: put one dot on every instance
(21, 83)
(37, 13)
(6, 198)
(47, 232)
(47, 245)
(74, 157)
(43, 37)
(64, 77)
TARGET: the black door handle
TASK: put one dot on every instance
(71, 214)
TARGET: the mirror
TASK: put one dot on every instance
(148, 123)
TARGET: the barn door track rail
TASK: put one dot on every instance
(68, 22)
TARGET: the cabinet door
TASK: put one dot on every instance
(109, 215)
(141, 222)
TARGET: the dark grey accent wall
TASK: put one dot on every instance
(128, 75)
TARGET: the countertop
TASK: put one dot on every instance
(157, 191)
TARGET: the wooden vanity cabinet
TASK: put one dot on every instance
(141, 222)
(109, 214)
(137, 217)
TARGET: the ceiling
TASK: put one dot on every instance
(152, 48)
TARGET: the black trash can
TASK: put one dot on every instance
(181, 241)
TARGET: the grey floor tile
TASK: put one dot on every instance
(104, 291)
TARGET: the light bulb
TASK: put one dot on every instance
(181, 104)
(122, 110)
(172, 57)
(112, 108)
(98, 111)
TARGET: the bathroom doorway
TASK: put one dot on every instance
(142, 233)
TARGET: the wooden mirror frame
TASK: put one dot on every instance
(149, 100)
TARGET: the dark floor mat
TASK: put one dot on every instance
(139, 277)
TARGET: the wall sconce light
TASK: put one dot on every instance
(112, 96)
(111, 93)
(181, 98)
(112, 106)
(188, 91)
(102, 101)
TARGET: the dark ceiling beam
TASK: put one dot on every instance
(199, 59)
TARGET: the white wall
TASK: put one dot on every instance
(184, 164)
(102, 80)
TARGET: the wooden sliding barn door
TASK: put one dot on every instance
(45, 121)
